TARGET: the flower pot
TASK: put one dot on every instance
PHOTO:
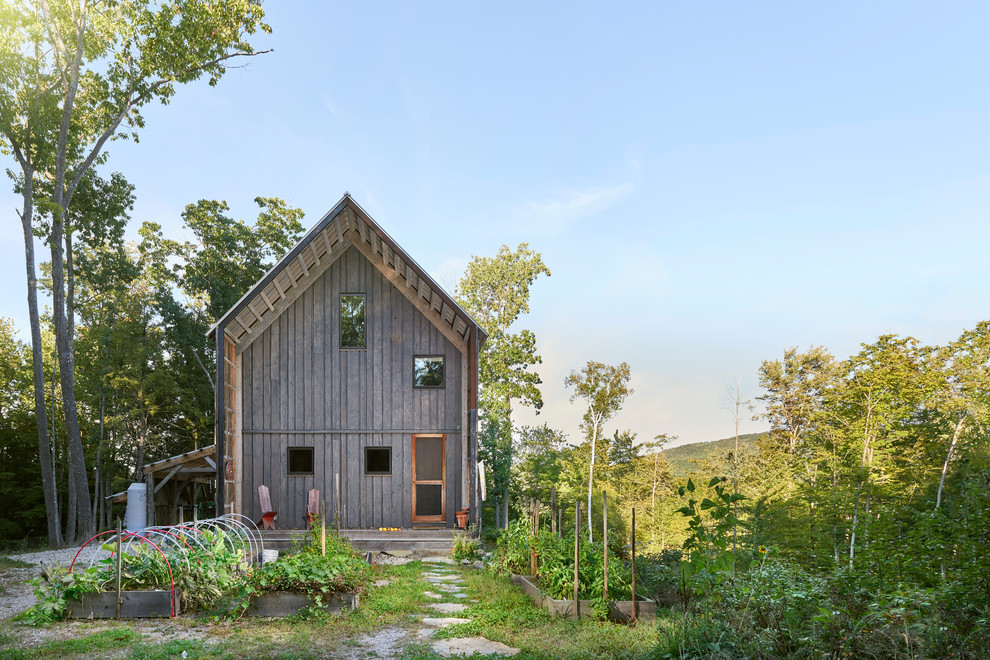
(462, 518)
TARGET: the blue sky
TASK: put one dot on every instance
(710, 183)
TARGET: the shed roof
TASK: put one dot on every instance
(345, 225)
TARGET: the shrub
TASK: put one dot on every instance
(465, 547)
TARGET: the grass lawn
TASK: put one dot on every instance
(502, 614)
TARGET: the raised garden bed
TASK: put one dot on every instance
(287, 603)
(133, 605)
(619, 610)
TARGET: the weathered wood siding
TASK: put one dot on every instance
(299, 389)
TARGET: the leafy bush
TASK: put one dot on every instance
(311, 573)
(465, 547)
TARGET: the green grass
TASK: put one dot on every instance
(105, 640)
(503, 614)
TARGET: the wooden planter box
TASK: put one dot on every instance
(619, 610)
(287, 603)
(133, 605)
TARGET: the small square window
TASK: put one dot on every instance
(299, 460)
(428, 371)
(352, 320)
(378, 460)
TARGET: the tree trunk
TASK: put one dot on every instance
(38, 367)
(66, 363)
(498, 513)
(852, 534)
(591, 476)
(948, 458)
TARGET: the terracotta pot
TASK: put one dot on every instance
(462, 518)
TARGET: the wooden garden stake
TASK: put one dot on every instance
(323, 528)
(577, 542)
(336, 500)
(119, 533)
(634, 564)
(553, 509)
(534, 517)
(605, 540)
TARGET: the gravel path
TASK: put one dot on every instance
(19, 595)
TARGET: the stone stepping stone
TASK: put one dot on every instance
(439, 560)
(443, 622)
(430, 594)
(452, 588)
(472, 645)
(447, 608)
(384, 643)
(460, 595)
(383, 583)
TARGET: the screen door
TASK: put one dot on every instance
(429, 471)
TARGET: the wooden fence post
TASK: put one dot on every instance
(634, 608)
(119, 534)
(336, 500)
(605, 540)
(553, 508)
(323, 528)
(577, 545)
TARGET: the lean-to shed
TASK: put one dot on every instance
(346, 368)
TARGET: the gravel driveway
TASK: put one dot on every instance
(18, 595)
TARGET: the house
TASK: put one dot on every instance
(348, 369)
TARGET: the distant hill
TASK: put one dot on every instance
(682, 459)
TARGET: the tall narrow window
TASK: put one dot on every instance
(352, 320)
(428, 371)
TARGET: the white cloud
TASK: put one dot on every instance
(554, 215)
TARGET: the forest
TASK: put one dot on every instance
(857, 522)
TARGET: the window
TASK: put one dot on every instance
(428, 371)
(352, 320)
(299, 460)
(378, 460)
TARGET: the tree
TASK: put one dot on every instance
(538, 460)
(603, 388)
(74, 75)
(495, 291)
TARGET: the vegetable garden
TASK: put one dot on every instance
(210, 566)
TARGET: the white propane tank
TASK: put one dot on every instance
(136, 514)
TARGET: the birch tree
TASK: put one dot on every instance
(603, 388)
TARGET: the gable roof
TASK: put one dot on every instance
(345, 225)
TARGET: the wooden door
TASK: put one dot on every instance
(429, 478)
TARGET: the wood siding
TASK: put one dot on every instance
(298, 389)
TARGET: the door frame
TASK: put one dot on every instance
(442, 481)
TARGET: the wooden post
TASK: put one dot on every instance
(577, 544)
(605, 540)
(119, 534)
(323, 528)
(534, 519)
(336, 500)
(634, 608)
(553, 508)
